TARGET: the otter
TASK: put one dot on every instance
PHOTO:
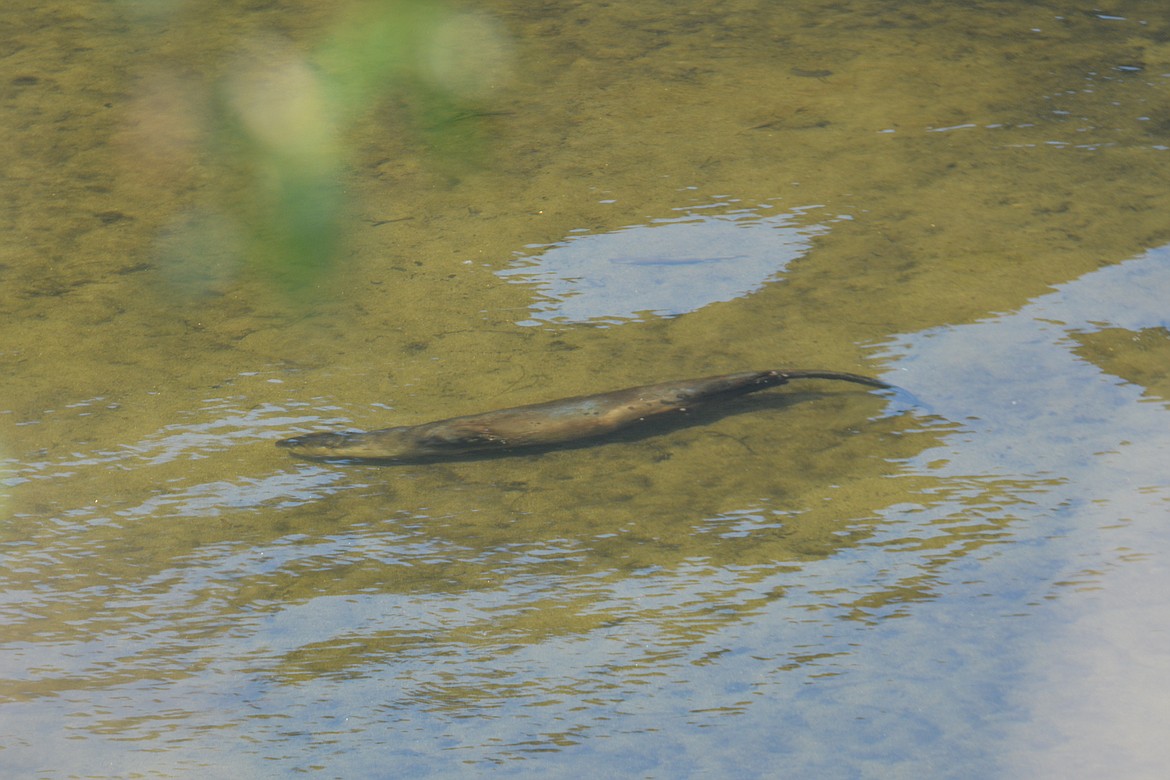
(546, 424)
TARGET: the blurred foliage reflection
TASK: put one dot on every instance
(281, 113)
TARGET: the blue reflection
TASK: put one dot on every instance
(1023, 394)
(664, 268)
(1073, 460)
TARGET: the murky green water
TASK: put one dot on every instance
(226, 225)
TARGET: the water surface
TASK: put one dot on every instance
(224, 226)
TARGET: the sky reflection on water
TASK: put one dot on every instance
(664, 268)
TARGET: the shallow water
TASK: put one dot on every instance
(968, 202)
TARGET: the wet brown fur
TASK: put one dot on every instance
(546, 424)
